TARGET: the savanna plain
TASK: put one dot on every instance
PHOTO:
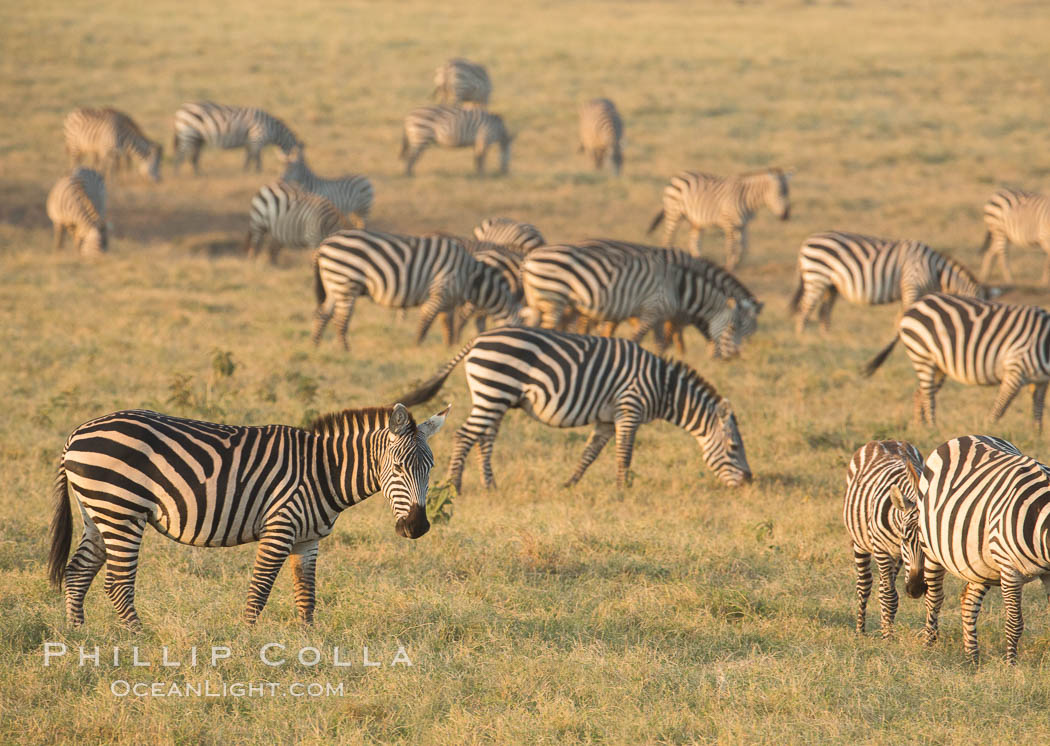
(677, 610)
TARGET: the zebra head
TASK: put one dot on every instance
(741, 323)
(94, 240)
(404, 471)
(723, 447)
(295, 168)
(490, 293)
(906, 502)
(691, 403)
(777, 199)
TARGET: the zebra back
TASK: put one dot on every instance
(1022, 217)
(351, 193)
(462, 81)
(523, 236)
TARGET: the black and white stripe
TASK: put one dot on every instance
(291, 217)
(212, 485)
(1020, 218)
(452, 127)
(77, 203)
(601, 132)
(352, 194)
(108, 136)
(460, 81)
(205, 122)
(705, 200)
(507, 232)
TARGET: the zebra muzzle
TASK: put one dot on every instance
(414, 525)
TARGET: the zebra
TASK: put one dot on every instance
(228, 127)
(983, 516)
(729, 203)
(1021, 218)
(601, 132)
(610, 281)
(108, 135)
(873, 271)
(461, 81)
(504, 259)
(522, 236)
(291, 217)
(434, 271)
(213, 485)
(77, 203)
(454, 128)
(352, 194)
(877, 527)
(570, 380)
(974, 342)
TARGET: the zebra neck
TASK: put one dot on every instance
(351, 459)
(686, 402)
(754, 190)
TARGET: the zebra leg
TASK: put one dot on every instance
(85, 563)
(195, 157)
(862, 564)
(933, 574)
(627, 422)
(599, 158)
(1038, 398)
(482, 423)
(60, 235)
(344, 309)
(411, 158)
(972, 597)
(1045, 243)
(889, 567)
(274, 546)
(696, 238)
(735, 239)
(1013, 380)
(830, 296)
(671, 219)
(930, 381)
(601, 434)
(485, 443)
(480, 149)
(646, 322)
(122, 561)
(1012, 582)
(304, 563)
(433, 306)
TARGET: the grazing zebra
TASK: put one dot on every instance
(433, 271)
(877, 527)
(873, 271)
(461, 81)
(454, 128)
(1021, 218)
(108, 135)
(610, 281)
(571, 380)
(292, 217)
(729, 203)
(504, 259)
(228, 127)
(522, 236)
(211, 485)
(352, 194)
(601, 130)
(77, 203)
(984, 516)
(975, 342)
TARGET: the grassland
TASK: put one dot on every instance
(676, 611)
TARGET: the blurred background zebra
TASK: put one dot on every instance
(462, 82)
(1020, 218)
(507, 232)
(601, 133)
(77, 203)
(351, 193)
(292, 217)
(454, 128)
(205, 122)
(110, 137)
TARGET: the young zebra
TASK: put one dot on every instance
(974, 342)
(291, 217)
(983, 516)
(433, 271)
(454, 128)
(601, 132)
(211, 485)
(571, 380)
(873, 271)
(877, 527)
(107, 136)
(729, 203)
(352, 194)
(461, 81)
(1021, 218)
(522, 236)
(77, 203)
(228, 127)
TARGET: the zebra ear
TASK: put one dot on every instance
(400, 420)
(900, 502)
(912, 475)
(428, 427)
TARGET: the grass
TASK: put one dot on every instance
(676, 611)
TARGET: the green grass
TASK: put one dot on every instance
(675, 611)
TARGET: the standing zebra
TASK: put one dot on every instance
(975, 342)
(211, 485)
(984, 516)
(571, 380)
(877, 527)
(522, 236)
(432, 271)
(352, 194)
(1021, 218)
(77, 203)
(729, 203)
(461, 81)
(108, 135)
(228, 127)
(601, 132)
(454, 128)
(292, 217)
(873, 271)
(505, 260)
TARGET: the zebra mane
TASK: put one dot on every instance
(367, 416)
(678, 370)
(713, 273)
(771, 171)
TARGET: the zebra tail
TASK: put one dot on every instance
(318, 285)
(61, 530)
(656, 221)
(797, 298)
(987, 242)
(879, 359)
(428, 390)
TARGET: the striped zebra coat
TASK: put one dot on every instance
(433, 271)
(108, 136)
(352, 194)
(705, 200)
(571, 380)
(205, 122)
(211, 485)
(877, 527)
(452, 127)
(974, 342)
(521, 236)
(984, 516)
(461, 81)
(873, 271)
(291, 217)
(1020, 218)
(77, 203)
(601, 133)
(505, 260)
